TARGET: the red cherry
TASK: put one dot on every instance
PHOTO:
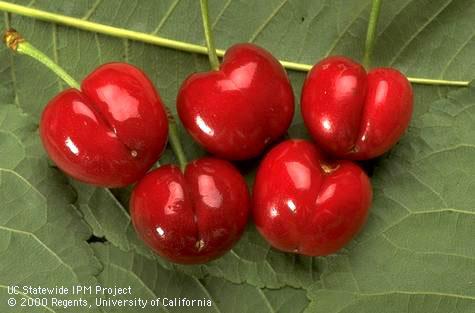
(306, 204)
(355, 115)
(111, 132)
(237, 111)
(191, 218)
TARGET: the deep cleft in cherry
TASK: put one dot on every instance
(235, 112)
(111, 131)
(353, 114)
(191, 217)
(304, 203)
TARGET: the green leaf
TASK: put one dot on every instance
(422, 38)
(415, 253)
(148, 281)
(295, 30)
(387, 302)
(417, 248)
(42, 237)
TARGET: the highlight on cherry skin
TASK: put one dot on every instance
(305, 204)
(352, 114)
(111, 131)
(191, 217)
(238, 110)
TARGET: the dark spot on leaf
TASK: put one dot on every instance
(94, 239)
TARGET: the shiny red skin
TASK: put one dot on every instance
(237, 111)
(193, 217)
(304, 204)
(352, 114)
(111, 132)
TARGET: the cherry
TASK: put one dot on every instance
(306, 204)
(111, 131)
(352, 114)
(236, 111)
(193, 217)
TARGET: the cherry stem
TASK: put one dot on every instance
(175, 141)
(371, 33)
(213, 57)
(168, 43)
(17, 43)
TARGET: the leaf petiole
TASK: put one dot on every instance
(168, 43)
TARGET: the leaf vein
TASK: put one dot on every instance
(459, 50)
(429, 21)
(340, 36)
(221, 13)
(91, 10)
(428, 187)
(390, 241)
(166, 16)
(267, 21)
(32, 235)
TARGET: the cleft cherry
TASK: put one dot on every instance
(191, 217)
(303, 203)
(352, 114)
(238, 110)
(111, 131)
